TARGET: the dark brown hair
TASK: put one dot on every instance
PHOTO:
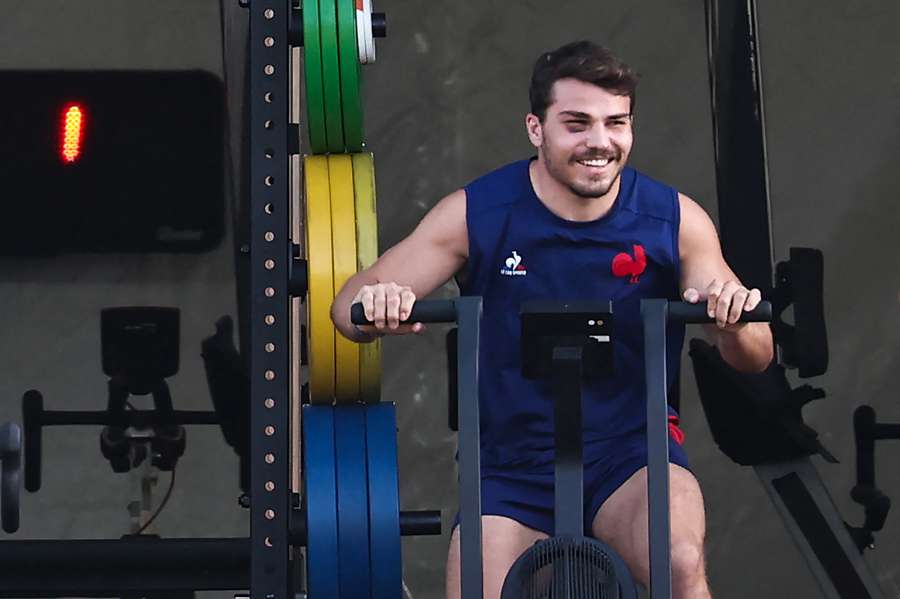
(585, 61)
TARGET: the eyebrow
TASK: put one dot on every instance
(586, 116)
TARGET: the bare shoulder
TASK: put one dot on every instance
(697, 229)
(445, 223)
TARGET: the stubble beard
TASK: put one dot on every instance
(582, 191)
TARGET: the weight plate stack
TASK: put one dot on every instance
(352, 501)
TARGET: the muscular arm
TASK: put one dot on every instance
(423, 261)
(706, 276)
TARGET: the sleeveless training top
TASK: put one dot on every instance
(519, 250)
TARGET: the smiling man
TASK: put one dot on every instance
(574, 222)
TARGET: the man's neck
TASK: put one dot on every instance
(561, 201)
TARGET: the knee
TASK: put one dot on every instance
(687, 563)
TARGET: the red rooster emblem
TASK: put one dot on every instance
(624, 265)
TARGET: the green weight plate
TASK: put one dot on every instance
(351, 98)
(312, 67)
(331, 76)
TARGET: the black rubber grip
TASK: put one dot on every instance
(696, 313)
(423, 311)
(423, 522)
(10, 475)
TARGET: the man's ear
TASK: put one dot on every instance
(535, 130)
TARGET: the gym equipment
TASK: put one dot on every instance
(344, 262)
(350, 468)
(342, 238)
(10, 475)
(867, 431)
(568, 342)
(367, 254)
(656, 314)
(321, 279)
(331, 76)
(466, 313)
(337, 37)
(174, 123)
(787, 474)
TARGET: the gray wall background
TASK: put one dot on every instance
(444, 103)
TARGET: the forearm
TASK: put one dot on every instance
(749, 349)
(340, 308)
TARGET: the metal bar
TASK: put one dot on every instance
(567, 425)
(270, 255)
(116, 566)
(131, 417)
(819, 532)
(742, 178)
(468, 318)
(654, 314)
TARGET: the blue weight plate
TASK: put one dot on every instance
(352, 500)
(384, 501)
(320, 494)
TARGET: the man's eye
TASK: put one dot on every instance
(575, 125)
(617, 123)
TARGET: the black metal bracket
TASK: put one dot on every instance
(876, 504)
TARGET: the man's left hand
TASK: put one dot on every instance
(725, 302)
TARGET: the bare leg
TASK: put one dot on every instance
(503, 541)
(621, 522)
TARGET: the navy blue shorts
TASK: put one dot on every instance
(527, 495)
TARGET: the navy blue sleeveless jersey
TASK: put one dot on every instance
(519, 250)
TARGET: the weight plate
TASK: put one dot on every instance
(343, 239)
(384, 501)
(321, 279)
(361, 47)
(352, 500)
(331, 76)
(320, 495)
(351, 96)
(367, 254)
(369, 35)
(312, 66)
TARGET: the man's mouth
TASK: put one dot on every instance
(595, 163)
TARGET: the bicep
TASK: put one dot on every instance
(432, 253)
(699, 249)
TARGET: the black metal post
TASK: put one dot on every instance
(468, 318)
(569, 470)
(742, 177)
(270, 256)
(654, 313)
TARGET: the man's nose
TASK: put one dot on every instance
(598, 137)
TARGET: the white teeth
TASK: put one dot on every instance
(602, 162)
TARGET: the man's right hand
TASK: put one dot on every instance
(388, 306)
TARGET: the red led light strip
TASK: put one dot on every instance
(73, 127)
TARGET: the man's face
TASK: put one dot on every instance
(585, 138)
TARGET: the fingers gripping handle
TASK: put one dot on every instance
(10, 478)
(425, 311)
(696, 313)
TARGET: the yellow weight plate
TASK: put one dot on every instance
(367, 254)
(321, 279)
(343, 240)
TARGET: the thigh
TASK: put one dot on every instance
(621, 521)
(503, 541)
